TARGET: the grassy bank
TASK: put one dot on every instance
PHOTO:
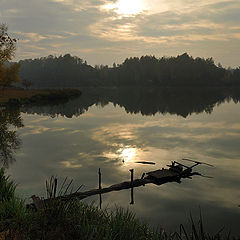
(74, 219)
(36, 96)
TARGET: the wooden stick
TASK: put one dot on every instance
(99, 178)
(100, 187)
(132, 200)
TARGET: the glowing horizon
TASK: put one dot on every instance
(108, 31)
(126, 7)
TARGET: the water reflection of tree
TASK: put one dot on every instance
(146, 101)
(9, 140)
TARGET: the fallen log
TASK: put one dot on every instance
(157, 177)
(174, 173)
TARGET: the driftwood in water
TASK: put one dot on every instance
(174, 173)
(145, 162)
(157, 177)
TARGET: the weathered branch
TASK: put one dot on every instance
(175, 173)
(172, 177)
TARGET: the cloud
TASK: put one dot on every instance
(80, 5)
(171, 26)
(105, 35)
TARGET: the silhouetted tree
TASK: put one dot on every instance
(8, 72)
(183, 70)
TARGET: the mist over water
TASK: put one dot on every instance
(115, 130)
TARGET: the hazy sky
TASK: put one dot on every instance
(104, 31)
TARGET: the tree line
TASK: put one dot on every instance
(62, 71)
(183, 70)
(71, 71)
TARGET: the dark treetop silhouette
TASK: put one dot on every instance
(183, 70)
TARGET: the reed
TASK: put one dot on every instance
(11, 206)
(74, 219)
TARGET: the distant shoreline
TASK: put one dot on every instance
(182, 70)
(19, 96)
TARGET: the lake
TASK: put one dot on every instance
(114, 131)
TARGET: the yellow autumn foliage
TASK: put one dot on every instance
(8, 72)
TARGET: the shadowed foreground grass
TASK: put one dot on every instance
(74, 220)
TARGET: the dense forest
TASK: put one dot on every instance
(63, 71)
(183, 70)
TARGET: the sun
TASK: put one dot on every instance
(127, 7)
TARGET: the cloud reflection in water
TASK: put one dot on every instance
(107, 136)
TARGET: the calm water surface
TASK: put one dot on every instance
(104, 135)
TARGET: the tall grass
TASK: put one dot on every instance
(74, 219)
(11, 207)
(7, 187)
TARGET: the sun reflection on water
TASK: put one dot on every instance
(127, 154)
